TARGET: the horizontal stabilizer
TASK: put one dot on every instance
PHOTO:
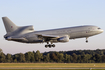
(11, 38)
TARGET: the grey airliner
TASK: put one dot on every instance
(26, 34)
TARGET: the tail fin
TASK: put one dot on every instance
(9, 25)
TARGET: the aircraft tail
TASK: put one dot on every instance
(9, 25)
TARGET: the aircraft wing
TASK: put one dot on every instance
(64, 38)
(48, 36)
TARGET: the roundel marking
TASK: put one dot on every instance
(11, 26)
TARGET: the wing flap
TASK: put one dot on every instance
(48, 36)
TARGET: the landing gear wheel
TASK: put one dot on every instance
(46, 46)
(53, 45)
(86, 41)
(49, 46)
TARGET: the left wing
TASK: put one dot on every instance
(48, 36)
(64, 38)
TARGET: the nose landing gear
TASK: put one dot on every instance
(86, 39)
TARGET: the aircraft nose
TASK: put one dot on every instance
(101, 30)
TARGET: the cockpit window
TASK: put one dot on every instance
(99, 28)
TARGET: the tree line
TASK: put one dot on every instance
(75, 56)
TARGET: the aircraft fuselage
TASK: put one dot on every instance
(72, 32)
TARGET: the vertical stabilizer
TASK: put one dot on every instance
(9, 25)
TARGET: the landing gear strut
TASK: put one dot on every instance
(50, 45)
(86, 39)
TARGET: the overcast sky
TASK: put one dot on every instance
(50, 14)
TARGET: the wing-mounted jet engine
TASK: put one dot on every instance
(63, 39)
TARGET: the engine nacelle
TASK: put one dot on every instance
(64, 39)
(26, 29)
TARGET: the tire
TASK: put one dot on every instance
(46, 46)
(53, 45)
(49, 46)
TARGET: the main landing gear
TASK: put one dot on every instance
(86, 39)
(50, 45)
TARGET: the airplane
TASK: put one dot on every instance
(26, 34)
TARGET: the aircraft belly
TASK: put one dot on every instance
(34, 40)
(22, 41)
